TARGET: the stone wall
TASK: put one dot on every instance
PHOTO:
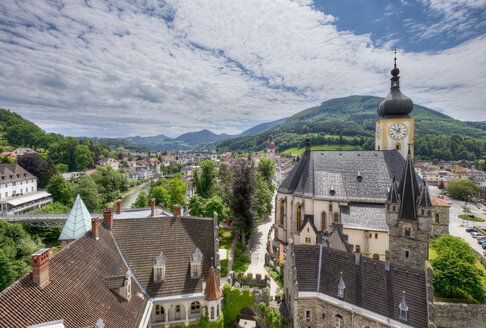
(251, 280)
(454, 315)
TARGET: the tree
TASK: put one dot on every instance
(160, 194)
(263, 195)
(241, 198)
(142, 200)
(266, 168)
(462, 188)
(36, 165)
(83, 158)
(177, 190)
(88, 190)
(207, 180)
(61, 190)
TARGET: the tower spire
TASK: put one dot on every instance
(395, 66)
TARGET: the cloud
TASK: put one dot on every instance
(113, 68)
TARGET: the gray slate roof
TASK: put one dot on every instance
(357, 176)
(364, 216)
(368, 284)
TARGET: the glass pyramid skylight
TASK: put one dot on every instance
(78, 222)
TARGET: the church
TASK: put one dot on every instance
(347, 189)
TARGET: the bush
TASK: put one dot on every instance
(278, 278)
(204, 322)
(241, 262)
(448, 243)
(224, 267)
(470, 218)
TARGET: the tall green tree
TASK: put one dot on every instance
(207, 180)
(83, 158)
(160, 194)
(61, 190)
(88, 190)
(177, 190)
(266, 168)
(462, 188)
(242, 198)
(142, 200)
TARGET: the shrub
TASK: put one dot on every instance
(234, 302)
(224, 267)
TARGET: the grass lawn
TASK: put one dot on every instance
(470, 218)
(241, 262)
(299, 151)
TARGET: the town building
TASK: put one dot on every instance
(18, 190)
(328, 287)
(139, 268)
(348, 187)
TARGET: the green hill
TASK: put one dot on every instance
(351, 121)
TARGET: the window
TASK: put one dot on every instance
(336, 217)
(376, 256)
(178, 308)
(397, 146)
(195, 271)
(307, 316)
(281, 214)
(423, 212)
(437, 218)
(338, 321)
(323, 221)
(157, 309)
(407, 255)
(408, 232)
(307, 240)
(217, 310)
(212, 312)
(298, 216)
(14, 184)
(323, 316)
(330, 207)
(376, 235)
(394, 208)
(195, 307)
(429, 213)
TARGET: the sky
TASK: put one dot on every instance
(118, 68)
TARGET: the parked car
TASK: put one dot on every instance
(476, 234)
(481, 240)
(471, 230)
(483, 245)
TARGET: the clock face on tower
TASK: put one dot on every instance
(397, 131)
(378, 131)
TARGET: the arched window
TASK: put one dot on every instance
(376, 256)
(397, 146)
(336, 217)
(437, 218)
(298, 217)
(338, 321)
(195, 308)
(323, 221)
(212, 312)
(281, 214)
(217, 311)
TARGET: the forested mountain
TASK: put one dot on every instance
(349, 123)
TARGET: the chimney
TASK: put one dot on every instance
(119, 206)
(94, 228)
(40, 267)
(176, 209)
(108, 217)
(152, 207)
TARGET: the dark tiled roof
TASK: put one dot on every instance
(14, 173)
(337, 240)
(368, 285)
(142, 239)
(355, 175)
(408, 191)
(364, 216)
(77, 293)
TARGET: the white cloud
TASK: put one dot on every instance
(152, 67)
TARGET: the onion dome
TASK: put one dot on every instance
(271, 144)
(396, 103)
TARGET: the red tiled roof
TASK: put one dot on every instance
(76, 293)
(436, 201)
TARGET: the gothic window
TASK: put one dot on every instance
(376, 256)
(397, 146)
(298, 217)
(212, 312)
(338, 321)
(281, 214)
(307, 316)
(408, 232)
(336, 217)
(437, 218)
(323, 221)
(407, 255)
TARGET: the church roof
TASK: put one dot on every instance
(368, 284)
(78, 221)
(353, 176)
(396, 103)
(271, 144)
(364, 216)
(408, 191)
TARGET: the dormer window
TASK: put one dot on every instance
(159, 267)
(196, 264)
(341, 287)
(403, 309)
(128, 285)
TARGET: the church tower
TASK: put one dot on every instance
(271, 149)
(409, 219)
(395, 128)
